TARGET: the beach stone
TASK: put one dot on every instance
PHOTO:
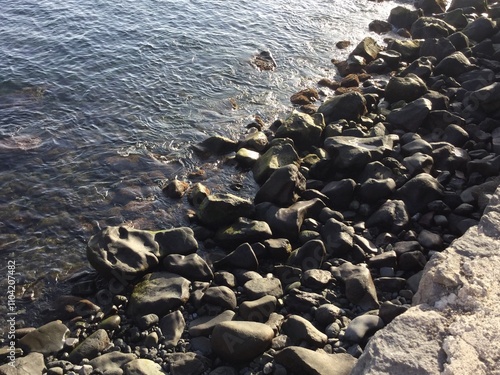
(385, 259)
(176, 241)
(281, 153)
(158, 293)
(438, 48)
(90, 347)
(409, 50)
(111, 361)
(197, 194)
(348, 106)
(304, 97)
(306, 361)
(430, 7)
(111, 323)
(338, 237)
(258, 310)
(354, 153)
(430, 27)
(172, 326)
(418, 192)
(388, 311)
(418, 163)
(401, 17)
(221, 296)
(298, 329)
(402, 247)
(204, 325)
(142, 366)
(379, 27)
(448, 157)
(283, 187)
(122, 252)
(188, 363)
(430, 240)
(373, 190)
(256, 140)
(239, 341)
(316, 279)
(265, 286)
(246, 157)
(412, 261)
(359, 286)
(389, 284)
(303, 129)
(367, 48)
(32, 364)
(243, 230)
(392, 216)
(300, 301)
(421, 67)
(47, 339)
(217, 210)
(176, 189)
(327, 314)
(67, 307)
(362, 327)
(192, 267)
(407, 88)
(454, 65)
(488, 98)
(459, 39)
(480, 6)
(480, 29)
(340, 193)
(242, 257)
(411, 116)
(146, 321)
(278, 248)
(455, 135)
(309, 256)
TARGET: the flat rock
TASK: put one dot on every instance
(239, 341)
(243, 230)
(47, 339)
(309, 362)
(266, 286)
(204, 325)
(177, 240)
(217, 210)
(258, 310)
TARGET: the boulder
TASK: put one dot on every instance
(242, 257)
(32, 364)
(176, 241)
(409, 49)
(367, 48)
(411, 116)
(283, 187)
(221, 296)
(430, 27)
(217, 210)
(402, 17)
(216, 145)
(176, 189)
(264, 60)
(359, 286)
(406, 88)
(361, 328)
(454, 65)
(172, 327)
(243, 230)
(430, 7)
(373, 190)
(309, 256)
(392, 216)
(303, 129)
(281, 153)
(47, 339)
(418, 192)
(265, 286)
(438, 48)
(340, 193)
(204, 325)
(90, 347)
(338, 237)
(309, 362)
(349, 106)
(480, 6)
(300, 329)
(192, 266)
(486, 98)
(258, 310)
(123, 252)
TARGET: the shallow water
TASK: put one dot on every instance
(99, 102)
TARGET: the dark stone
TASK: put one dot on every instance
(418, 192)
(392, 216)
(412, 261)
(172, 326)
(47, 339)
(409, 49)
(386, 259)
(300, 329)
(222, 209)
(216, 145)
(327, 314)
(406, 88)
(390, 284)
(439, 48)
(283, 187)
(192, 266)
(454, 65)
(264, 286)
(264, 61)
(90, 347)
(298, 300)
(303, 129)
(379, 27)
(242, 257)
(340, 193)
(306, 96)
(373, 190)
(367, 48)
(243, 230)
(411, 116)
(359, 287)
(362, 327)
(402, 17)
(338, 237)
(430, 27)
(388, 311)
(176, 241)
(204, 325)
(305, 361)
(349, 106)
(480, 29)
(221, 296)
(281, 153)
(258, 310)
(430, 7)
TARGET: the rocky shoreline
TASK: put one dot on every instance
(356, 196)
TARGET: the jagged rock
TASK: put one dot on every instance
(418, 192)
(305, 361)
(122, 252)
(239, 341)
(47, 339)
(90, 347)
(367, 48)
(281, 153)
(402, 17)
(222, 209)
(176, 241)
(359, 286)
(204, 325)
(454, 65)
(283, 187)
(258, 310)
(392, 216)
(172, 326)
(242, 257)
(197, 194)
(421, 67)
(192, 266)
(430, 27)
(349, 106)
(362, 327)
(176, 189)
(406, 88)
(264, 61)
(142, 366)
(158, 293)
(243, 230)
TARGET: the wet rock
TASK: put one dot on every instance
(349, 106)
(430, 7)
(392, 216)
(90, 347)
(221, 296)
(216, 145)
(402, 17)
(68, 307)
(411, 116)
(266, 286)
(188, 363)
(406, 88)
(222, 209)
(142, 366)
(281, 153)
(256, 140)
(264, 61)
(454, 65)
(239, 341)
(367, 48)
(409, 49)
(122, 252)
(32, 364)
(306, 96)
(362, 327)
(306, 361)
(176, 189)
(47, 339)
(418, 192)
(158, 293)
(246, 157)
(359, 286)
(430, 27)
(309, 256)
(283, 187)
(299, 329)
(243, 230)
(303, 129)
(176, 241)
(258, 310)
(172, 326)
(112, 361)
(204, 325)
(379, 26)
(192, 266)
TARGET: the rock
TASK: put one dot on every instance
(309, 362)
(142, 366)
(362, 327)
(90, 347)
(407, 88)
(158, 293)
(217, 210)
(480, 6)
(266, 286)
(258, 310)
(411, 116)
(418, 192)
(68, 307)
(430, 7)
(246, 157)
(367, 48)
(111, 361)
(264, 61)
(224, 370)
(47, 339)
(197, 194)
(176, 241)
(385, 259)
(390, 284)
(373, 190)
(122, 252)
(412, 261)
(176, 189)
(283, 187)
(438, 48)
(480, 29)
(430, 240)
(256, 140)
(281, 153)
(430, 27)
(172, 326)
(111, 323)
(338, 237)
(392, 216)
(216, 145)
(278, 248)
(418, 163)
(32, 364)
(388, 311)
(238, 341)
(204, 325)
(349, 106)
(299, 329)
(316, 279)
(454, 65)
(243, 230)
(309, 256)
(401, 17)
(359, 286)
(409, 49)
(379, 26)
(306, 96)
(192, 267)
(327, 314)
(487, 98)
(303, 129)
(297, 300)
(340, 193)
(221, 296)
(242, 257)
(147, 321)
(188, 363)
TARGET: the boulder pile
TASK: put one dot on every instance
(357, 197)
